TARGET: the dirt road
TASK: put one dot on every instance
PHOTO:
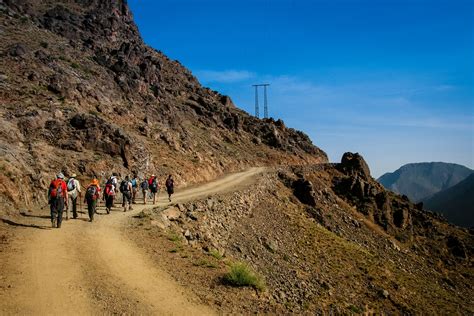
(92, 268)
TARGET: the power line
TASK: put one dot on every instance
(265, 102)
(256, 100)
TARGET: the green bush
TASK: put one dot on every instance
(216, 254)
(241, 275)
(174, 237)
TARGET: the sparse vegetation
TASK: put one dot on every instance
(205, 263)
(355, 309)
(216, 254)
(143, 215)
(174, 237)
(240, 274)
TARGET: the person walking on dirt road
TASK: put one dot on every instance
(169, 186)
(91, 197)
(57, 199)
(109, 193)
(144, 186)
(134, 182)
(154, 187)
(126, 189)
(73, 191)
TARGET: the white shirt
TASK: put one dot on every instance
(73, 194)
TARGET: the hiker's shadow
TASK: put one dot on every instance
(35, 216)
(12, 223)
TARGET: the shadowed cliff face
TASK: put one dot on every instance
(82, 93)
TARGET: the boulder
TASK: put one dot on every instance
(354, 164)
(171, 213)
(456, 247)
(271, 245)
(17, 50)
(160, 224)
(303, 190)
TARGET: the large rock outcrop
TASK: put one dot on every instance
(81, 92)
(357, 186)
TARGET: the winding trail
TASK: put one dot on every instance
(93, 268)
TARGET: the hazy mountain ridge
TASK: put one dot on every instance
(419, 181)
(455, 203)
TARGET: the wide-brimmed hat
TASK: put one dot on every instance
(60, 175)
(74, 175)
(152, 175)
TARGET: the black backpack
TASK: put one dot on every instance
(91, 193)
(124, 186)
(154, 184)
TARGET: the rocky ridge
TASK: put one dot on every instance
(321, 248)
(81, 92)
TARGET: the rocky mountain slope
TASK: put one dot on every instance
(455, 203)
(81, 92)
(418, 181)
(325, 238)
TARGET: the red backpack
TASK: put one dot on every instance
(109, 189)
(56, 189)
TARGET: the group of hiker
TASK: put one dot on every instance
(64, 195)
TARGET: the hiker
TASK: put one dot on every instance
(57, 199)
(91, 197)
(154, 187)
(73, 191)
(134, 188)
(113, 179)
(144, 186)
(169, 186)
(126, 189)
(109, 194)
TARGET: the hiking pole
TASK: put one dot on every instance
(80, 204)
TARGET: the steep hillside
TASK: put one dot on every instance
(421, 180)
(324, 238)
(80, 92)
(455, 203)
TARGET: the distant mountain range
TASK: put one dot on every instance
(420, 181)
(455, 203)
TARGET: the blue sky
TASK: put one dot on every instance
(392, 80)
